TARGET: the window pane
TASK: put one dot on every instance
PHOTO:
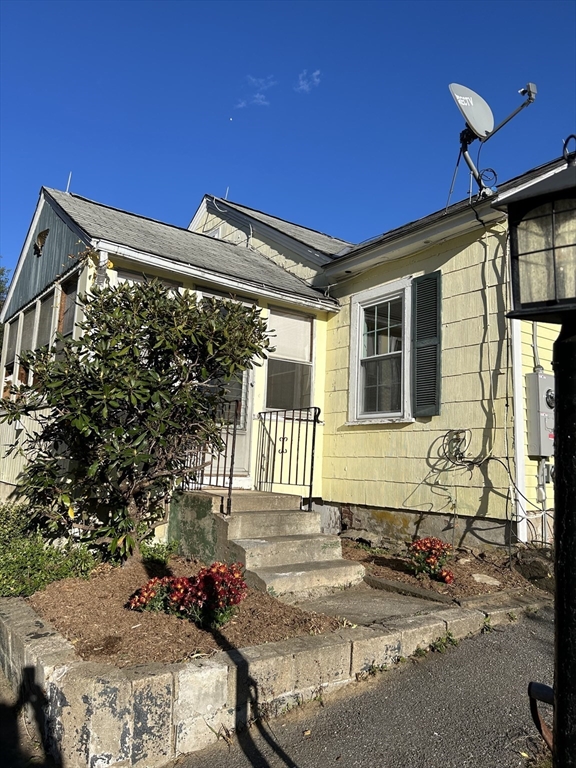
(541, 210)
(383, 385)
(369, 350)
(396, 338)
(565, 229)
(292, 336)
(369, 319)
(237, 389)
(566, 272)
(534, 235)
(382, 332)
(536, 277)
(289, 385)
(127, 276)
(567, 204)
(396, 312)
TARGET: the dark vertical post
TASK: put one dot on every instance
(316, 417)
(565, 543)
(236, 405)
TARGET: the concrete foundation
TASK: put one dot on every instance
(384, 527)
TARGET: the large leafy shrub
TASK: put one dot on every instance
(119, 410)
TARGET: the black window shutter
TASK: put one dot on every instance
(426, 328)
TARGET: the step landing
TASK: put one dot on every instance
(298, 581)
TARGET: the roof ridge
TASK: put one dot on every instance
(139, 216)
(224, 201)
(129, 213)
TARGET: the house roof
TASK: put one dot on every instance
(310, 237)
(176, 244)
(456, 208)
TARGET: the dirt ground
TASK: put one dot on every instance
(464, 564)
(92, 614)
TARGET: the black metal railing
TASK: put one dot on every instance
(216, 468)
(286, 445)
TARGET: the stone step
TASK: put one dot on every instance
(261, 501)
(277, 522)
(299, 580)
(272, 550)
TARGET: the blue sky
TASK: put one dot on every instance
(335, 115)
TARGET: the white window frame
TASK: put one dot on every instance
(358, 303)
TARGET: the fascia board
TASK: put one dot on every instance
(503, 198)
(411, 242)
(39, 206)
(188, 270)
(197, 218)
(315, 257)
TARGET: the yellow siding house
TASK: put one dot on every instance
(397, 351)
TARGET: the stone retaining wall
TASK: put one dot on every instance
(96, 715)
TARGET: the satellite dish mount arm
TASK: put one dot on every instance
(467, 136)
(529, 91)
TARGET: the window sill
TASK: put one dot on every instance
(380, 420)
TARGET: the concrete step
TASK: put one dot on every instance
(272, 550)
(299, 580)
(260, 501)
(277, 522)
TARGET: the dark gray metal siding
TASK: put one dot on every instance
(38, 272)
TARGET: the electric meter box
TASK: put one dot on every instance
(540, 400)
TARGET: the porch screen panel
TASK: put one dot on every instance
(28, 330)
(68, 306)
(44, 335)
(12, 329)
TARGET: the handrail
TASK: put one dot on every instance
(217, 468)
(286, 448)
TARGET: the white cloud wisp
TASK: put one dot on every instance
(306, 83)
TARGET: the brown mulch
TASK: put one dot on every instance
(92, 614)
(394, 566)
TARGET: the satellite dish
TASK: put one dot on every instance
(474, 109)
(480, 125)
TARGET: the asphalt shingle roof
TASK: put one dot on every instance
(178, 244)
(318, 241)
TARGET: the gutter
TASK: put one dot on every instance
(391, 247)
(234, 284)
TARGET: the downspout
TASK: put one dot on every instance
(541, 471)
(519, 441)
